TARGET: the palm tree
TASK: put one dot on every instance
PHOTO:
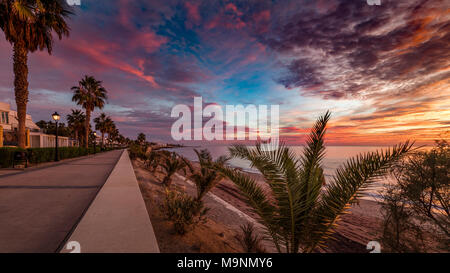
(28, 25)
(299, 213)
(102, 123)
(113, 133)
(121, 139)
(42, 124)
(207, 177)
(90, 94)
(141, 138)
(76, 122)
(153, 158)
(171, 163)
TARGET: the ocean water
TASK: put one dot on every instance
(335, 157)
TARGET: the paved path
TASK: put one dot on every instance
(40, 208)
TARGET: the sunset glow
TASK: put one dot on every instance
(383, 70)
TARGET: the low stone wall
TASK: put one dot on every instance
(117, 221)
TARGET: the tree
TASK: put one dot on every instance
(171, 163)
(121, 139)
(90, 94)
(421, 194)
(102, 123)
(28, 25)
(141, 138)
(50, 128)
(76, 122)
(401, 233)
(298, 213)
(207, 177)
(42, 124)
(424, 181)
(113, 133)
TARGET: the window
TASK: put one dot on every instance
(4, 118)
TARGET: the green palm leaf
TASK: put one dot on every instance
(349, 183)
(297, 213)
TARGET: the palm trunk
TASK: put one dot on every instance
(21, 88)
(88, 120)
(103, 137)
(76, 137)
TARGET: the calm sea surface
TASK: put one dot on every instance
(335, 156)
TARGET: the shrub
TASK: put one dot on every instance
(421, 195)
(401, 233)
(171, 163)
(7, 156)
(207, 177)
(183, 210)
(136, 151)
(152, 159)
(250, 241)
(41, 155)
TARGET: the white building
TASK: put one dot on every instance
(9, 120)
(35, 138)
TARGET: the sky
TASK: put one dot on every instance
(383, 71)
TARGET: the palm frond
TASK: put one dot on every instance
(349, 183)
(279, 167)
(257, 199)
(311, 171)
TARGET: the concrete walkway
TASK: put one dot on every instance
(117, 220)
(40, 208)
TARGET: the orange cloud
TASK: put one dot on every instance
(95, 51)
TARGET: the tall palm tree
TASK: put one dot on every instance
(90, 94)
(28, 25)
(121, 139)
(206, 177)
(299, 213)
(141, 138)
(102, 123)
(113, 133)
(76, 122)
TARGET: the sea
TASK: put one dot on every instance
(335, 156)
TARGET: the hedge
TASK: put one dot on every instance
(40, 155)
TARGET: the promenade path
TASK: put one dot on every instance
(39, 208)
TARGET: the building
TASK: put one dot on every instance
(35, 138)
(9, 121)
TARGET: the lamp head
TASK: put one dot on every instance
(55, 116)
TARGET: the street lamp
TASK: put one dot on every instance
(56, 117)
(95, 140)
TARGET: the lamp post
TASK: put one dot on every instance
(95, 141)
(56, 117)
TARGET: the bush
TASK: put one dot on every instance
(401, 233)
(41, 155)
(7, 156)
(419, 201)
(250, 241)
(136, 151)
(183, 211)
